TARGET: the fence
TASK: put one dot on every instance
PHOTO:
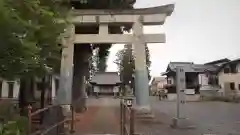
(60, 122)
(127, 116)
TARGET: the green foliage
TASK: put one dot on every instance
(11, 122)
(29, 43)
(15, 127)
(125, 63)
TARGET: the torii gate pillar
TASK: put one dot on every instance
(141, 73)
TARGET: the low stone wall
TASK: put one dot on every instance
(209, 93)
(173, 97)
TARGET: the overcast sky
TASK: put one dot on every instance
(198, 31)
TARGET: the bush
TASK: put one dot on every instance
(7, 110)
(11, 122)
(15, 127)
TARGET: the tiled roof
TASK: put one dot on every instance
(228, 63)
(157, 79)
(107, 78)
(213, 66)
(225, 60)
(188, 66)
(191, 67)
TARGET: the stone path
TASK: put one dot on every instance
(102, 117)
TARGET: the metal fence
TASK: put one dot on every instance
(127, 116)
(57, 126)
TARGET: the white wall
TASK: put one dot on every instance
(16, 87)
(203, 79)
(172, 80)
(53, 88)
(5, 89)
(161, 84)
(230, 77)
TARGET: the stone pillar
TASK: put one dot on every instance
(141, 75)
(64, 94)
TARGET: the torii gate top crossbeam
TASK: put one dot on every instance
(151, 16)
(104, 18)
(166, 9)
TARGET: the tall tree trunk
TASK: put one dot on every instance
(81, 53)
(42, 99)
(43, 91)
(25, 94)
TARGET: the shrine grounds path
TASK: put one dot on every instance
(102, 117)
(218, 118)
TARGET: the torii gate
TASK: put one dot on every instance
(137, 18)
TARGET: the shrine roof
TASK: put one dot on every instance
(106, 78)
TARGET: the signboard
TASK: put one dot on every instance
(189, 91)
(181, 86)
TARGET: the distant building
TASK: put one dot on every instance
(9, 89)
(229, 77)
(106, 83)
(199, 77)
(220, 77)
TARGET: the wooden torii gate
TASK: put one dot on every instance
(103, 18)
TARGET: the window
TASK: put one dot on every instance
(0, 89)
(233, 68)
(232, 86)
(10, 89)
(56, 84)
(213, 80)
(226, 70)
(169, 81)
(239, 86)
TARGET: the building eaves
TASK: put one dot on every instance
(225, 60)
(228, 63)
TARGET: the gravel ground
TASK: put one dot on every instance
(218, 118)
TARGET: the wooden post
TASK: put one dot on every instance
(132, 121)
(29, 119)
(124, 119)
(58, 119)
(72, 120)
(121, 118)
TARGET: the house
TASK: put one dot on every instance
(199, 77)
(191, 70)
(229, 77)
(106, 83)
(9, 89)
(156, 84)
(210, 81)
(216, 78)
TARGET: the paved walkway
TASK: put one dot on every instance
(102, 117)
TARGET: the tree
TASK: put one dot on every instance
(125, 63)
(29, 45)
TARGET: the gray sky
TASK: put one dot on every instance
(198, 31)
